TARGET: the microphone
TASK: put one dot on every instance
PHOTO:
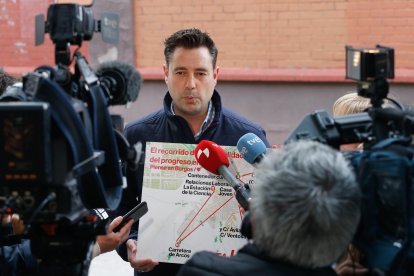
(121, 81)
(214, 159)
(252, 148)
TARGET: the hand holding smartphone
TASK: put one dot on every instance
(135, 213)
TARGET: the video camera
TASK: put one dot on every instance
(61, 152)
(384, 168)
(71, 24)
(370, 67)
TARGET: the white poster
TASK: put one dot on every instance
(190, 209)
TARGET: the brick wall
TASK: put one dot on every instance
(17, 43)
(17, 29)
(258, 39)
(264, 35)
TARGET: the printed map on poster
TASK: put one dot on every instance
(189, 208)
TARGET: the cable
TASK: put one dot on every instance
(396, 103)
(49, 198)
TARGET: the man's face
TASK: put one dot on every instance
(191, 79)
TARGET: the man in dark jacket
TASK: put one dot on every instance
(304, 212)
(192, 112)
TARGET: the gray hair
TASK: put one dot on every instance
(305, 204)
(6, 80)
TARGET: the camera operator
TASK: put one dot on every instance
(304, 212)
(18, 259)
(352, 262)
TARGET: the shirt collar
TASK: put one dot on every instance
(207, 121)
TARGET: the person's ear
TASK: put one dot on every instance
(215, 74)
(165, 68)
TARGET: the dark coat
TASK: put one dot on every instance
(247, 261)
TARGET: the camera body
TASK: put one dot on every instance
(70, 23)
(37, 162)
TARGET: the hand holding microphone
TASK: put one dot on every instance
(214, 159)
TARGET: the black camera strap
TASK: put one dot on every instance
(103, 135)
(104, 139)
(91, 188)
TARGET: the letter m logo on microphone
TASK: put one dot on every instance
(211, 156)
(205, 151)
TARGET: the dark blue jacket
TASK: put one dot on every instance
(247, 261)
(162, 126)
(17, 260)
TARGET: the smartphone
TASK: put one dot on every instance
(135, 213)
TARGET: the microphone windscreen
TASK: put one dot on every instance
(251, 147)
(211, 156)
(125, 84)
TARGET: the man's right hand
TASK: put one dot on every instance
(144, 265)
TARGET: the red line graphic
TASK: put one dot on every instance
(238, 176)
(213, 189)
(179, 239)
(246, 174)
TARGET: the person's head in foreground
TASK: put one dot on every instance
(305, 205)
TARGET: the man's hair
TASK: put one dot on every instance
(305, 204)
(6, 80)
(190, 39)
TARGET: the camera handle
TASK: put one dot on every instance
(62, 53)
(376, 90)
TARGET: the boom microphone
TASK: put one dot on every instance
(214, 159)
(252, 148)
(120, 80)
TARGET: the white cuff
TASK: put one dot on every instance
(96, 250)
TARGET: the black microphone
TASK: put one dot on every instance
(214, 159)
(121, 81)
